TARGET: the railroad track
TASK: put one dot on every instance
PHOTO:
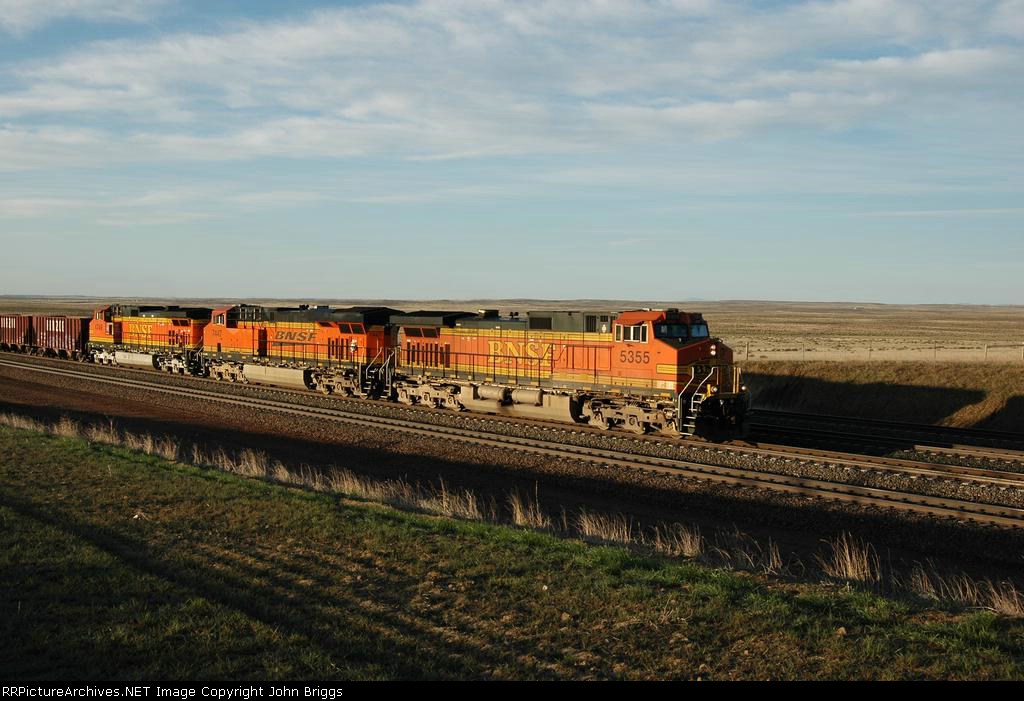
(631, 443)
(887, 444)
(888, 499)
(988, 443)
(790, 427)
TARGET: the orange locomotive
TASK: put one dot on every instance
(163, 338)
(330, 350)
(645, 370)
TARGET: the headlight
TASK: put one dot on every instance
(714, 390)
(714, 350)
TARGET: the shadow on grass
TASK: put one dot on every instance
(876, 400)
(1009, 418)
(365, 629)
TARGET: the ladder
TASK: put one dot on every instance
(378, 375)
(686, 423)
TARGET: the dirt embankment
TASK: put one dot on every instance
(952, 394)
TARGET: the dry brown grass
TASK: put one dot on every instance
(952, 394)
(771, 561)
(851, 560)
(851, 331)
(616, 528)
(103, 434)
(66, 428)
(393, 492)
(26, 424)
(453, 504)
(526, 512)
(1003, 598)
(677, 540)
(738, 550)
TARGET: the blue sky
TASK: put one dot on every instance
(861, 150)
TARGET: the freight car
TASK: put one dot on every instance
(15, 333)
(61, 336)
(56, 336)
(642, 370)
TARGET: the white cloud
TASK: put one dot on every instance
(20, 16)
(441, 79)
(1008, 19)
(722, 119)
(166, 205)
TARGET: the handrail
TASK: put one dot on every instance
(693, 376)
(694, 402)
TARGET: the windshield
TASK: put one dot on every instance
(670, 331)
(681, 331)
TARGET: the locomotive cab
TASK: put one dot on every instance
(103, 329)
(683, 364)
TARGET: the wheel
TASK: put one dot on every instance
(635, 425)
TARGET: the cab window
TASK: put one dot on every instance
(634, 334)
(679, 331)
(699, 330)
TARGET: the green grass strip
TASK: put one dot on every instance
(117, 565)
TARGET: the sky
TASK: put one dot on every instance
(849, 150)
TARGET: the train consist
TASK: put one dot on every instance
(642, 370)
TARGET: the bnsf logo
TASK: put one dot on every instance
(295, 335)
(519, 349)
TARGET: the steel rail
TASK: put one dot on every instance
(904, 427)
(804, 487)
(810, 456)
(893, 442)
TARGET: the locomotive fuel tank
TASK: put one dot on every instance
(294, 378)
(528, 403)
(135, 360)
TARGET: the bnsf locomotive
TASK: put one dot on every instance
(642, 370)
